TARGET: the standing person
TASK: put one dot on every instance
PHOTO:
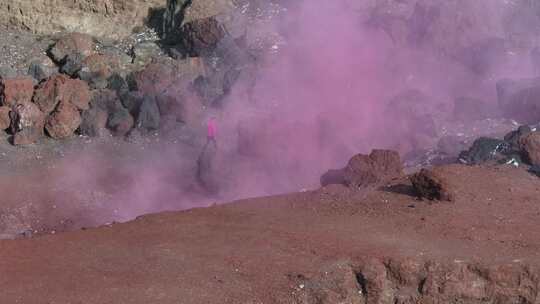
(211, 132)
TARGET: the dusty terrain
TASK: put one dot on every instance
(301, 248)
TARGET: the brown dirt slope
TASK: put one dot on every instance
(482, 247)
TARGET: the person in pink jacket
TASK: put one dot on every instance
(211, 132)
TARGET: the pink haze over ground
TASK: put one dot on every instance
(317, 101)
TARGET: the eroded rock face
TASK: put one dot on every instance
(107, 18)
(410, 280)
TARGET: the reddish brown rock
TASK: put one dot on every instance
(73, 43)
(380, 165)
(432, 185)
(530, 146)
(363, 170)
(101, 65)
(155, 78)
(63, 121)
(62, 88)
(29, 123)
(5, 120)
(16, 90)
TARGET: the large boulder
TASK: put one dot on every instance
(520, 99)
(63, 122)
(432, 185)
(364, 170)
(29, 122)
(105, 103)
(72, 43)
(16, 90)
(97, 68)
(62, 88)
(530, 146)
(144, 52)
(42, 68)
(201, 37)
(154, 79)
(486, 150)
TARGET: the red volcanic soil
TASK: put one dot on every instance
(332, 245)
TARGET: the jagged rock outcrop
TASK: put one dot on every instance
(108, 18)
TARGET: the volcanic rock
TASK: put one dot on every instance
(118, 84)
(72, 64)
(144, 52)
(153, 79)
(519, 99)
(200, 37)
(432, 185)
(94, 120)
(16, 90)
(42, 69)
(62, 88)
(530, 146)
(514, 138)
(484, 150)
(5, 119)
(97, 68)
(29, 123)
(72, 43)
(119, 120)
(63, 122)
(378, 166)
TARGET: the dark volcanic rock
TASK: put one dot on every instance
(520, 99)
(484, 150)
(72, 43)
(378, 166)
(200, 37)
(41, 71)
(72, 64)
(16, 90)
(432, 185)
(119, 120)
(29, 123)
(117, 83)
(94, 121)
(63, 122)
